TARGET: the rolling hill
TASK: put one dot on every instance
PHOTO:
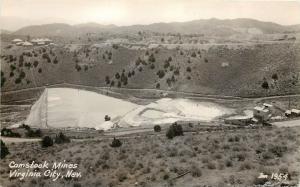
(212, 27)
(248, 70)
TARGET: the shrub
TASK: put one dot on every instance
(26, 127)
(174, 130)
(278, 150)
(265, 85)
(116, 143)
(275, 76)
(228, 163)
(267, 155)
(245, 166)
(160, 73)
(18, 81)
(9, 133)
(211, 165)
(35, 63)
(166, 176)
(188, 69)
(193, 54)
(77, 185)
(47, 141)
(151, 58)
(4, 150)
(33, 133)
(61, 138)
(157, 128)
(196, 172)
(107, 118)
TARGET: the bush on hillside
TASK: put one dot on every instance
(34, 133)
(157, 128)
(188, 69)
(4, 150)
(174, 130)
(116, 143)
(106, 118)
(265, 85)
(151, 58)
(160, 73)
(27, 127)
(47, 141)
(9, 133)
(61, 138)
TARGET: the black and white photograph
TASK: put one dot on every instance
(150, 93)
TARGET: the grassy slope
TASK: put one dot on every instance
(214, 159)
(249, 66)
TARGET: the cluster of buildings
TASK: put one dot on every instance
(261, 114)
(38, 41)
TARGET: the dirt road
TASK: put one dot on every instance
(290, 123)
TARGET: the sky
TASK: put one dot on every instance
(129, 12)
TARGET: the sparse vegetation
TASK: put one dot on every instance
(4, 150)
(116, 143)
(157, 128)
(174, 130)
(47, 141)
(61, 138)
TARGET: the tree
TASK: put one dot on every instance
(265, 85)
(152, 66)
(4, 150)
(151, 58)
(47, 141)
(160, 73)
(188, 69)
(61, 138)
(117, 75)
(77, 67)
(35, 63)
(119, 84)
(157, 128)
(106, 118)
(275, 76)
(9, 133)
(112, 83)
(116, 143)
(193, 54)
(31, 133)
(174, 130)
(138, 62)
(167, 64)
(107, 80)
(18, 81)
(55, 61)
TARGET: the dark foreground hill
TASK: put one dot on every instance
(248, 70)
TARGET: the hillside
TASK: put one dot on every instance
(236, 69)
(211, 27)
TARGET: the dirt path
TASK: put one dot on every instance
(186, 94)
(290, 123)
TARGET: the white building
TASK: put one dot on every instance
(262, 113)
(17, 40)
(27, 44)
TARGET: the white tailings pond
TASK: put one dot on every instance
(66, 107)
